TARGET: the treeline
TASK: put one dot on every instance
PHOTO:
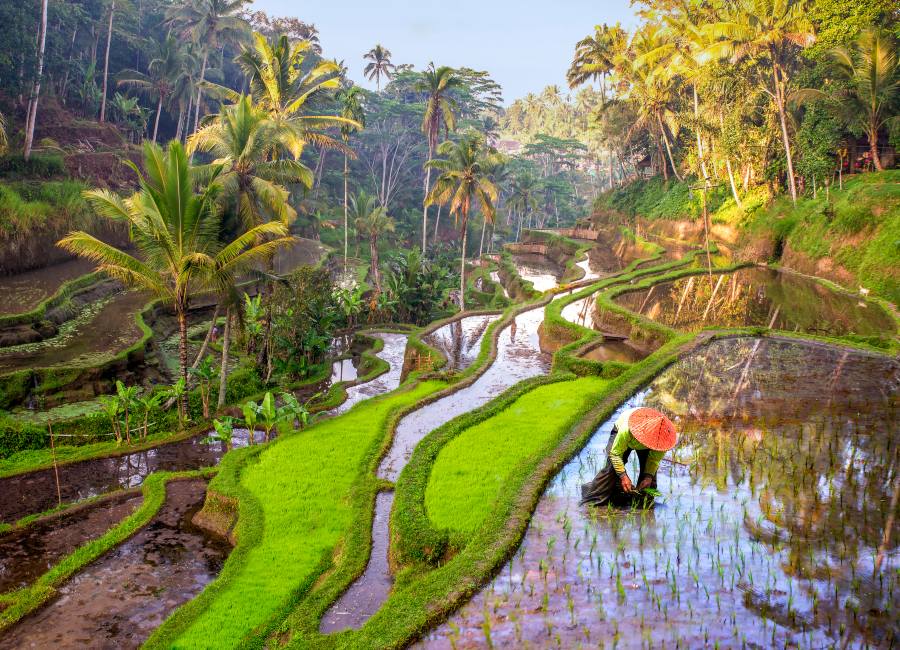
(163, 69)
(788, 94)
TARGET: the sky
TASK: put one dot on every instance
(525, 45)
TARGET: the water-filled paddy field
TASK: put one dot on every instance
(758, 297)
(770, 530)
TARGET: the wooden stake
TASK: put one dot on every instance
(55, 465)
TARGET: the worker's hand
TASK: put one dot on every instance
(626, 483)
(645, 482)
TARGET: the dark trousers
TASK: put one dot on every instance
(607, 486)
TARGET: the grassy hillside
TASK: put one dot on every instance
(852, 235)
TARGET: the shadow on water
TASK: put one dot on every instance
(771, 523)
(519, 357)
(758, 297)
(120, 599)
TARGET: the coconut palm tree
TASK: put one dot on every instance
(353, 111)
(286, 80)
(872, 95)
(242, 139)
(165, 73)
(595, 56)
(464, 184)
(440, 113)
(371, 220)
(767, 32)
(176, 230)
(380, 65)
(211, 24)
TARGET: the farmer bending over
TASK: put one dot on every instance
(643, 430)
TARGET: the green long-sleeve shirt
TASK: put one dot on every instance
(625, 441)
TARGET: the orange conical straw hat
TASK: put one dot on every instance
(652, 429)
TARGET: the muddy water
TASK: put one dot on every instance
(366, 595)
(539, 270)
(392, 352)
(623, 351)
(28, 553)
(767, 533)
(119, 600)
(102, 331)
(460, 341)
(24, 291)
(758, 297)
(35, 492)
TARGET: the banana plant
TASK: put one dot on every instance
(250, 410)
(110, 406)
(268, 414)
(175, 392)
(205, 372)
(223, 430)
(126, 396)
(291, 413)
(148, 402)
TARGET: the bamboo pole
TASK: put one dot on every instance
(55, 465)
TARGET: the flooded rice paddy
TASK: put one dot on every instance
(758, 297)
(460, 340)
(392, 352)
(27, 553)
(23, 292)
(541, 271)
(101, 331)
(774, 527)
(119, 600)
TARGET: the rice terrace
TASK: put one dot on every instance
(482, 325)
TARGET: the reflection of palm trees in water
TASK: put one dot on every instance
(799, 433)
(512, 331)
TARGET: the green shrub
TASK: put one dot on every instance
(38, 166)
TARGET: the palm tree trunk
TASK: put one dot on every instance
(668, 148)
(437, 223)
(425, 205)
(873, 147)
(182, 355)
(31, 116)
(734, 191)
(200, 91)
(697, 130)
(65, 79)
(481, 245)
(223, 371)
(462, 266)
(208, 338)
(156, 121)
(779, 103)
(112, 10)
(373, 254)
(346, 241)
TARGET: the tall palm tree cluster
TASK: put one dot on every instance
(723, 92)
(201, 228)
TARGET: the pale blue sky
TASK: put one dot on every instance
(525, 44)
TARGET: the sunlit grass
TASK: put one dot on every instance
(472, 469)
(302, 484)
